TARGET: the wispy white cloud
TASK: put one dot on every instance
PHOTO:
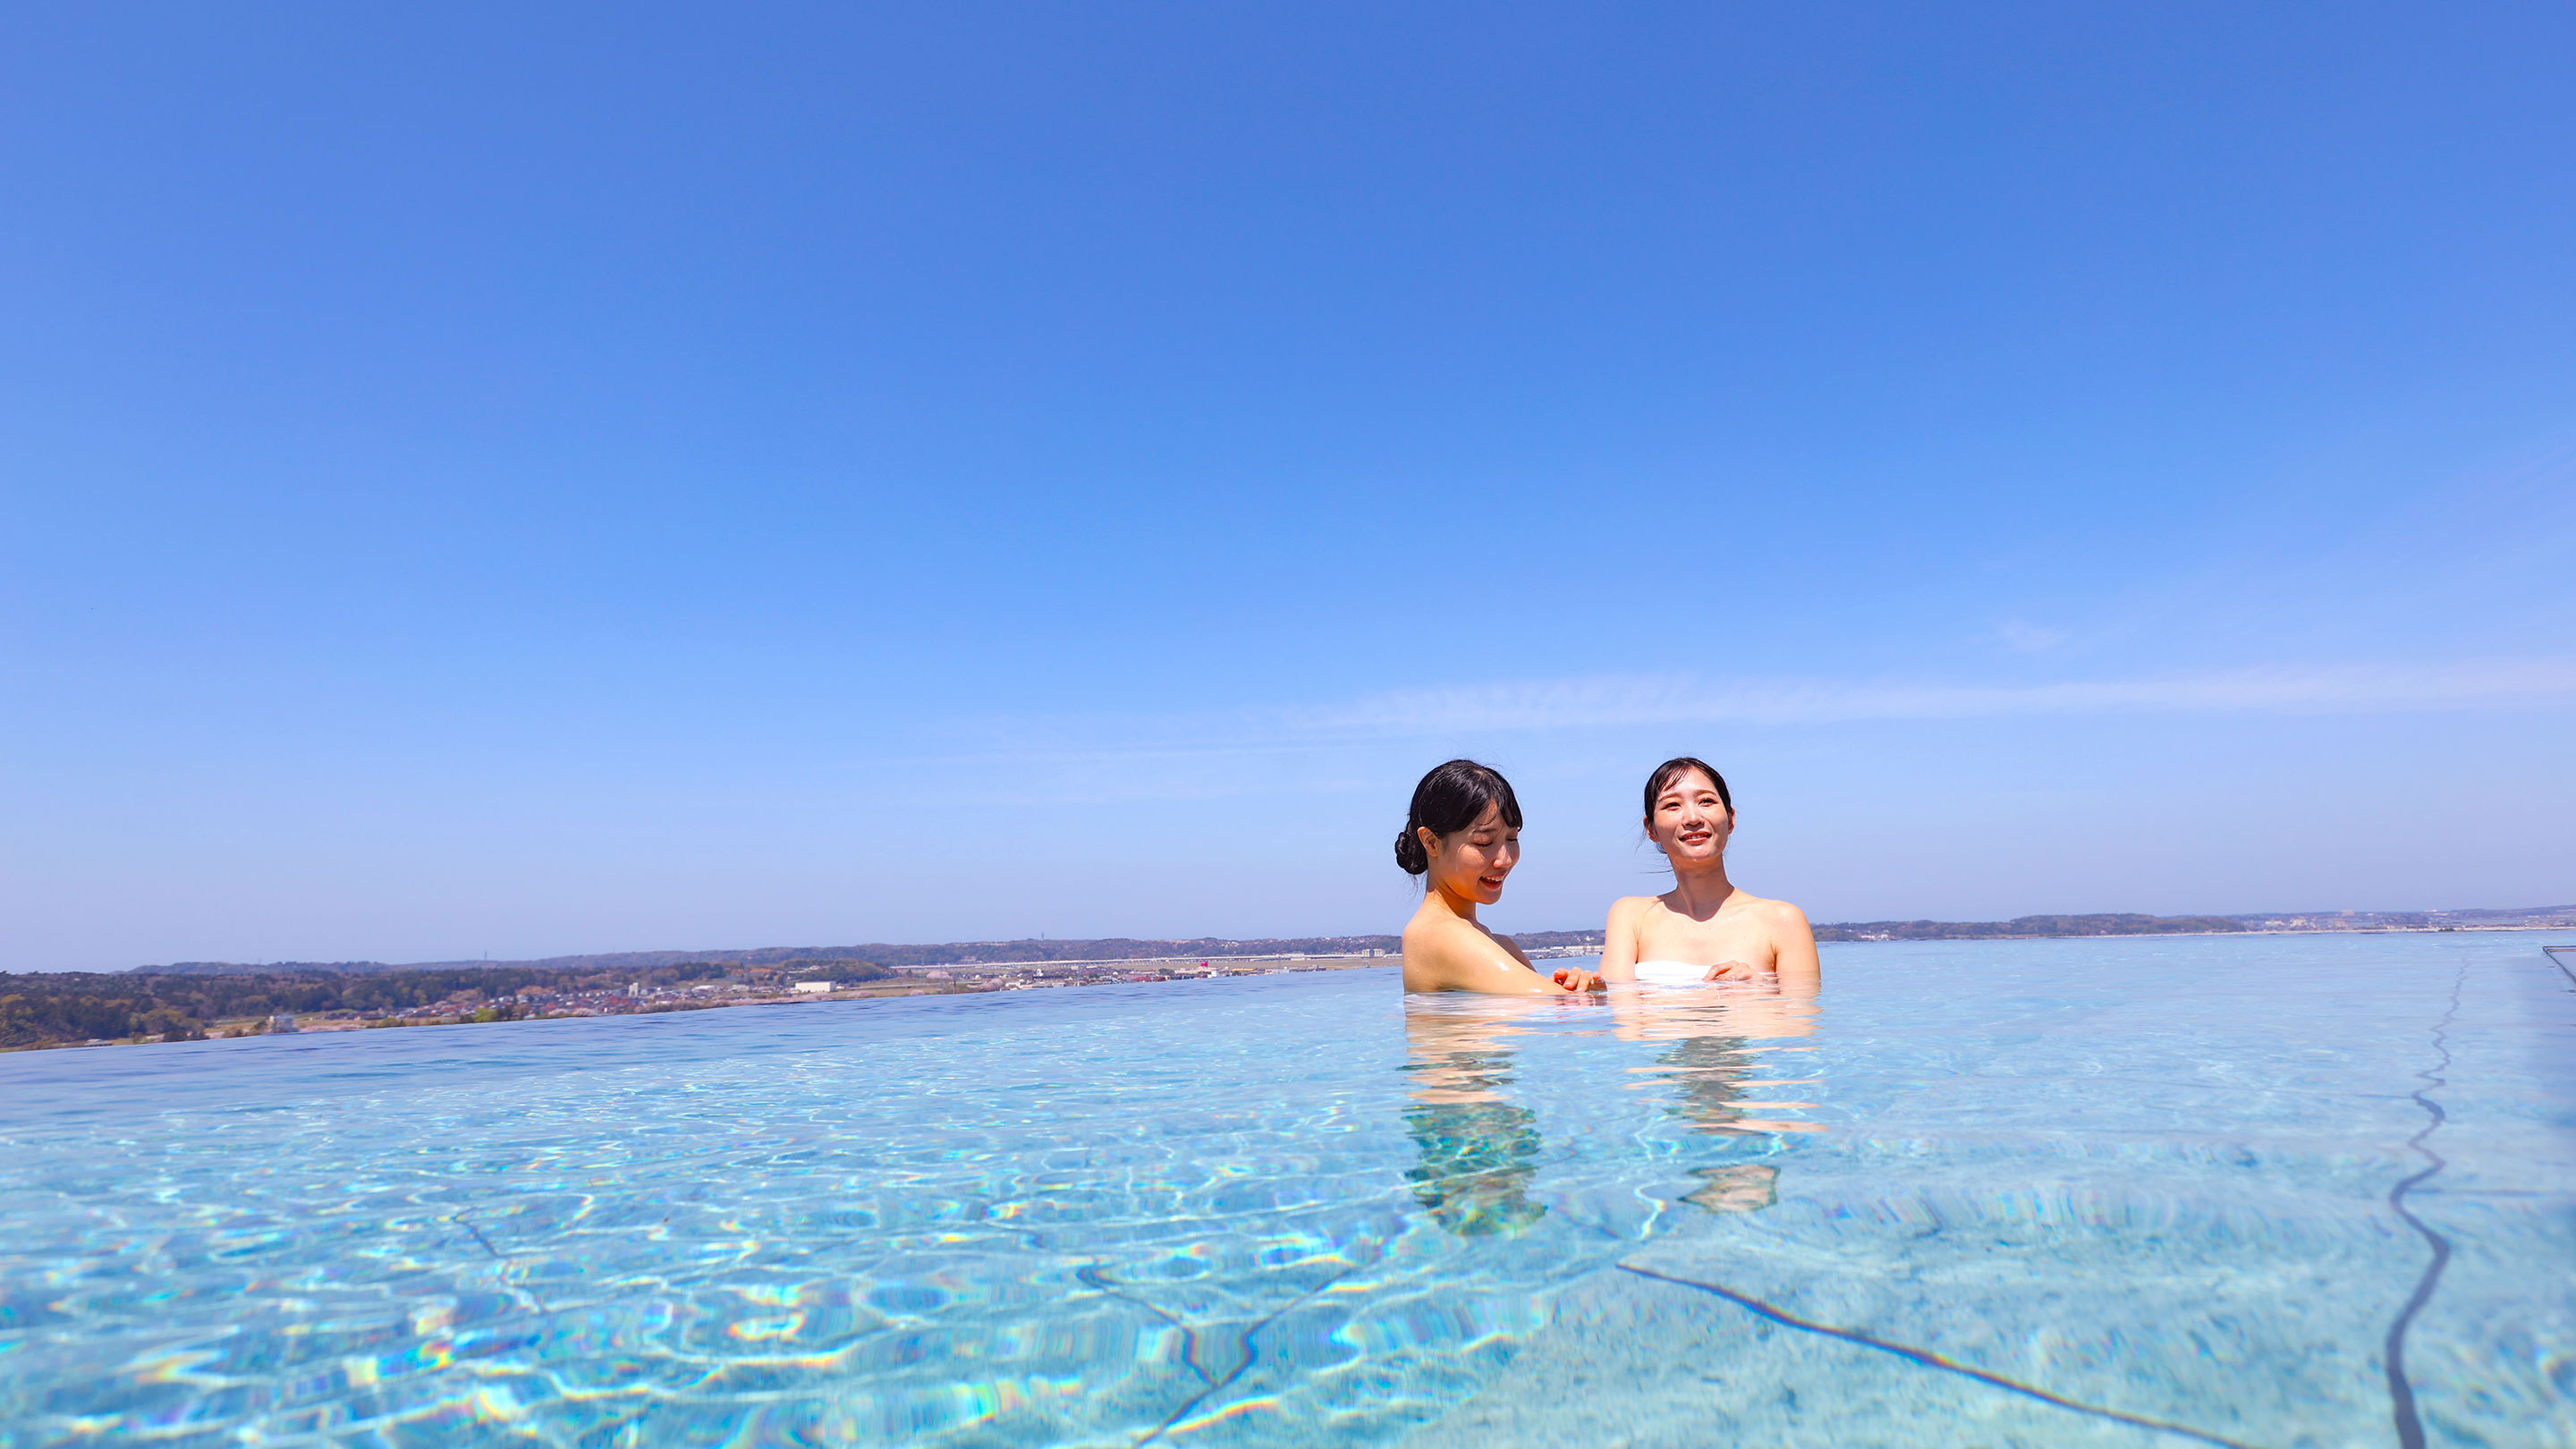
(1328, 746)
(1649, 700)
(2030, 638)
(1616, 701)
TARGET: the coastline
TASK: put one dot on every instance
(978, 977)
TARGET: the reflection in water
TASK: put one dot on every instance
(1726, 1053)
(1708, 1074)
(1726, 1041)
(1477, 1161)
(1722, 1051)
(1747, 1187)
(1479, 1152)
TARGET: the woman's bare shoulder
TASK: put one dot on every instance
(1433, 936)
(1455, 955)
(1631, 907)
(1778, 913)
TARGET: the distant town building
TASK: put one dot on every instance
(635, 988)
(813, 988)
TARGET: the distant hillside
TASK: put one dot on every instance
(1130, 948)
(2517, 918)
(2103, 925)
(952, 953)
(2136, 925)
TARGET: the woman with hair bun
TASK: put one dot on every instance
(1704, 928)
(1463, 837)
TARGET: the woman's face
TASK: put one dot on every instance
(1690, 823)
(1472, 863)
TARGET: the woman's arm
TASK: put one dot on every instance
(1801, 974)
(1619, 941)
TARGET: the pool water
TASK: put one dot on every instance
(2161, 1191)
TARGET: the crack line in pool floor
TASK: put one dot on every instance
(2401, 1392)
(1091, 1276)
(459, 1218)
(1244, 1355)
(1927, 1359)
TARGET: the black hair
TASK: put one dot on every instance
(1671, 769)
(1449, 799)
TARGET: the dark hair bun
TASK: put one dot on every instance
(1449, 799)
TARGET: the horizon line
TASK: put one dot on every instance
(792, 952)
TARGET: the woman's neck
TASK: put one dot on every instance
(1701, 889)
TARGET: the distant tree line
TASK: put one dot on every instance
(1538, 938)
(1117, 948)
(634, 965)
(2020, 926)
(67, 1008)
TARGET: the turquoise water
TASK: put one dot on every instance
(2035, 1193)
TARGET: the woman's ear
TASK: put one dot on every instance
(1430, 839)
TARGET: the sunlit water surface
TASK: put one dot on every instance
(2037, 1193)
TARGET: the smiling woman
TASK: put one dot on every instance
(1704, 928)
(1463, 836)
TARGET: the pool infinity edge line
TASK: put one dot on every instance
(1928, 1359)
(2401, 1392)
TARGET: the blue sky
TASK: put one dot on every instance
(595, 478)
